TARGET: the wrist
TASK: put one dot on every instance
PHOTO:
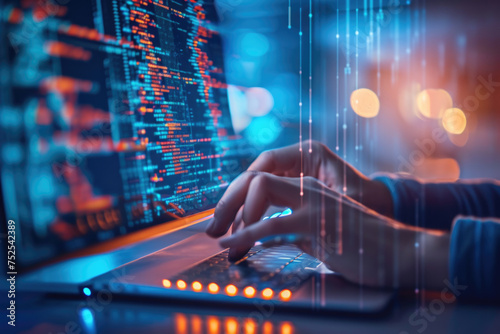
(375, 196)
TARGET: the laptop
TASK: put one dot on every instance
(116, 144)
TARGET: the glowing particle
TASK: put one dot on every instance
(259, 101)
(267, 328)
(231, 290)
(286, 328)
(87, 292)
(441, 169)
(461, 139)
(249, 292)
(432, 103)
(254, 44)
(181, 284)
(285, 295)
(454, 121)
(365, 103)
(213, 325)
(196, 286)
(231, 326)
(287, 212)
(267, 293)
(196, 324)
(181, 323)
(166, 283)
(277, 214)
(250, 326)
(213, 288)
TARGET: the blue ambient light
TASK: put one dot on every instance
(287, 212)
(87, 292)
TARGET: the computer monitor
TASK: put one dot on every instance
(114, 117)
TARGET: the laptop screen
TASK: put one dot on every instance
(114, 117)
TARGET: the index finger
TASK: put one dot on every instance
(278, 160)
(229, 204)
(249, 235)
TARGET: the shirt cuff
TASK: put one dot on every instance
(474, 258)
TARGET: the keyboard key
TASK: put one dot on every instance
(262, 268)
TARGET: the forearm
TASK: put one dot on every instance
(375, 195)
(435, 205)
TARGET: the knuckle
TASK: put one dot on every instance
(319, 146)
(248, 235)
(267, 154)
(250, 174)
(314, 144)
(261, 180)
(310, 181)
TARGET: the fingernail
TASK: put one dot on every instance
(236, 254)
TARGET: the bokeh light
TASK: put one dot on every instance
(197, 286)
(196, 324)
(181, 323)
(231, 290)
(286, 328)
(267, 293)
(249, 292)
(365, 103)
(432, 103)
(166, 283)
(87, 292)
(285, 295)
(407, 101)
(263, 130)
(283, 88)
(238, 107)
(267, 327)
(250, 327)
(213, 325)
(181, 284)
(231, 326)
(441, 169)
(213, 288)
(254, 44)
(461, 139)
(259, 101)
(454, 121)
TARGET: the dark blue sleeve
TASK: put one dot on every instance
(474, 264)
(435, 205)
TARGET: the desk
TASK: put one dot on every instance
(56, 315)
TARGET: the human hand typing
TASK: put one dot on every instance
(319, 163)
(362, 245)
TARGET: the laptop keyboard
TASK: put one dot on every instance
(276, 269)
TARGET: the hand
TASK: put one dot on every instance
(319, 163)
(363, 246)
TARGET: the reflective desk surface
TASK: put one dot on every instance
(426, 314)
